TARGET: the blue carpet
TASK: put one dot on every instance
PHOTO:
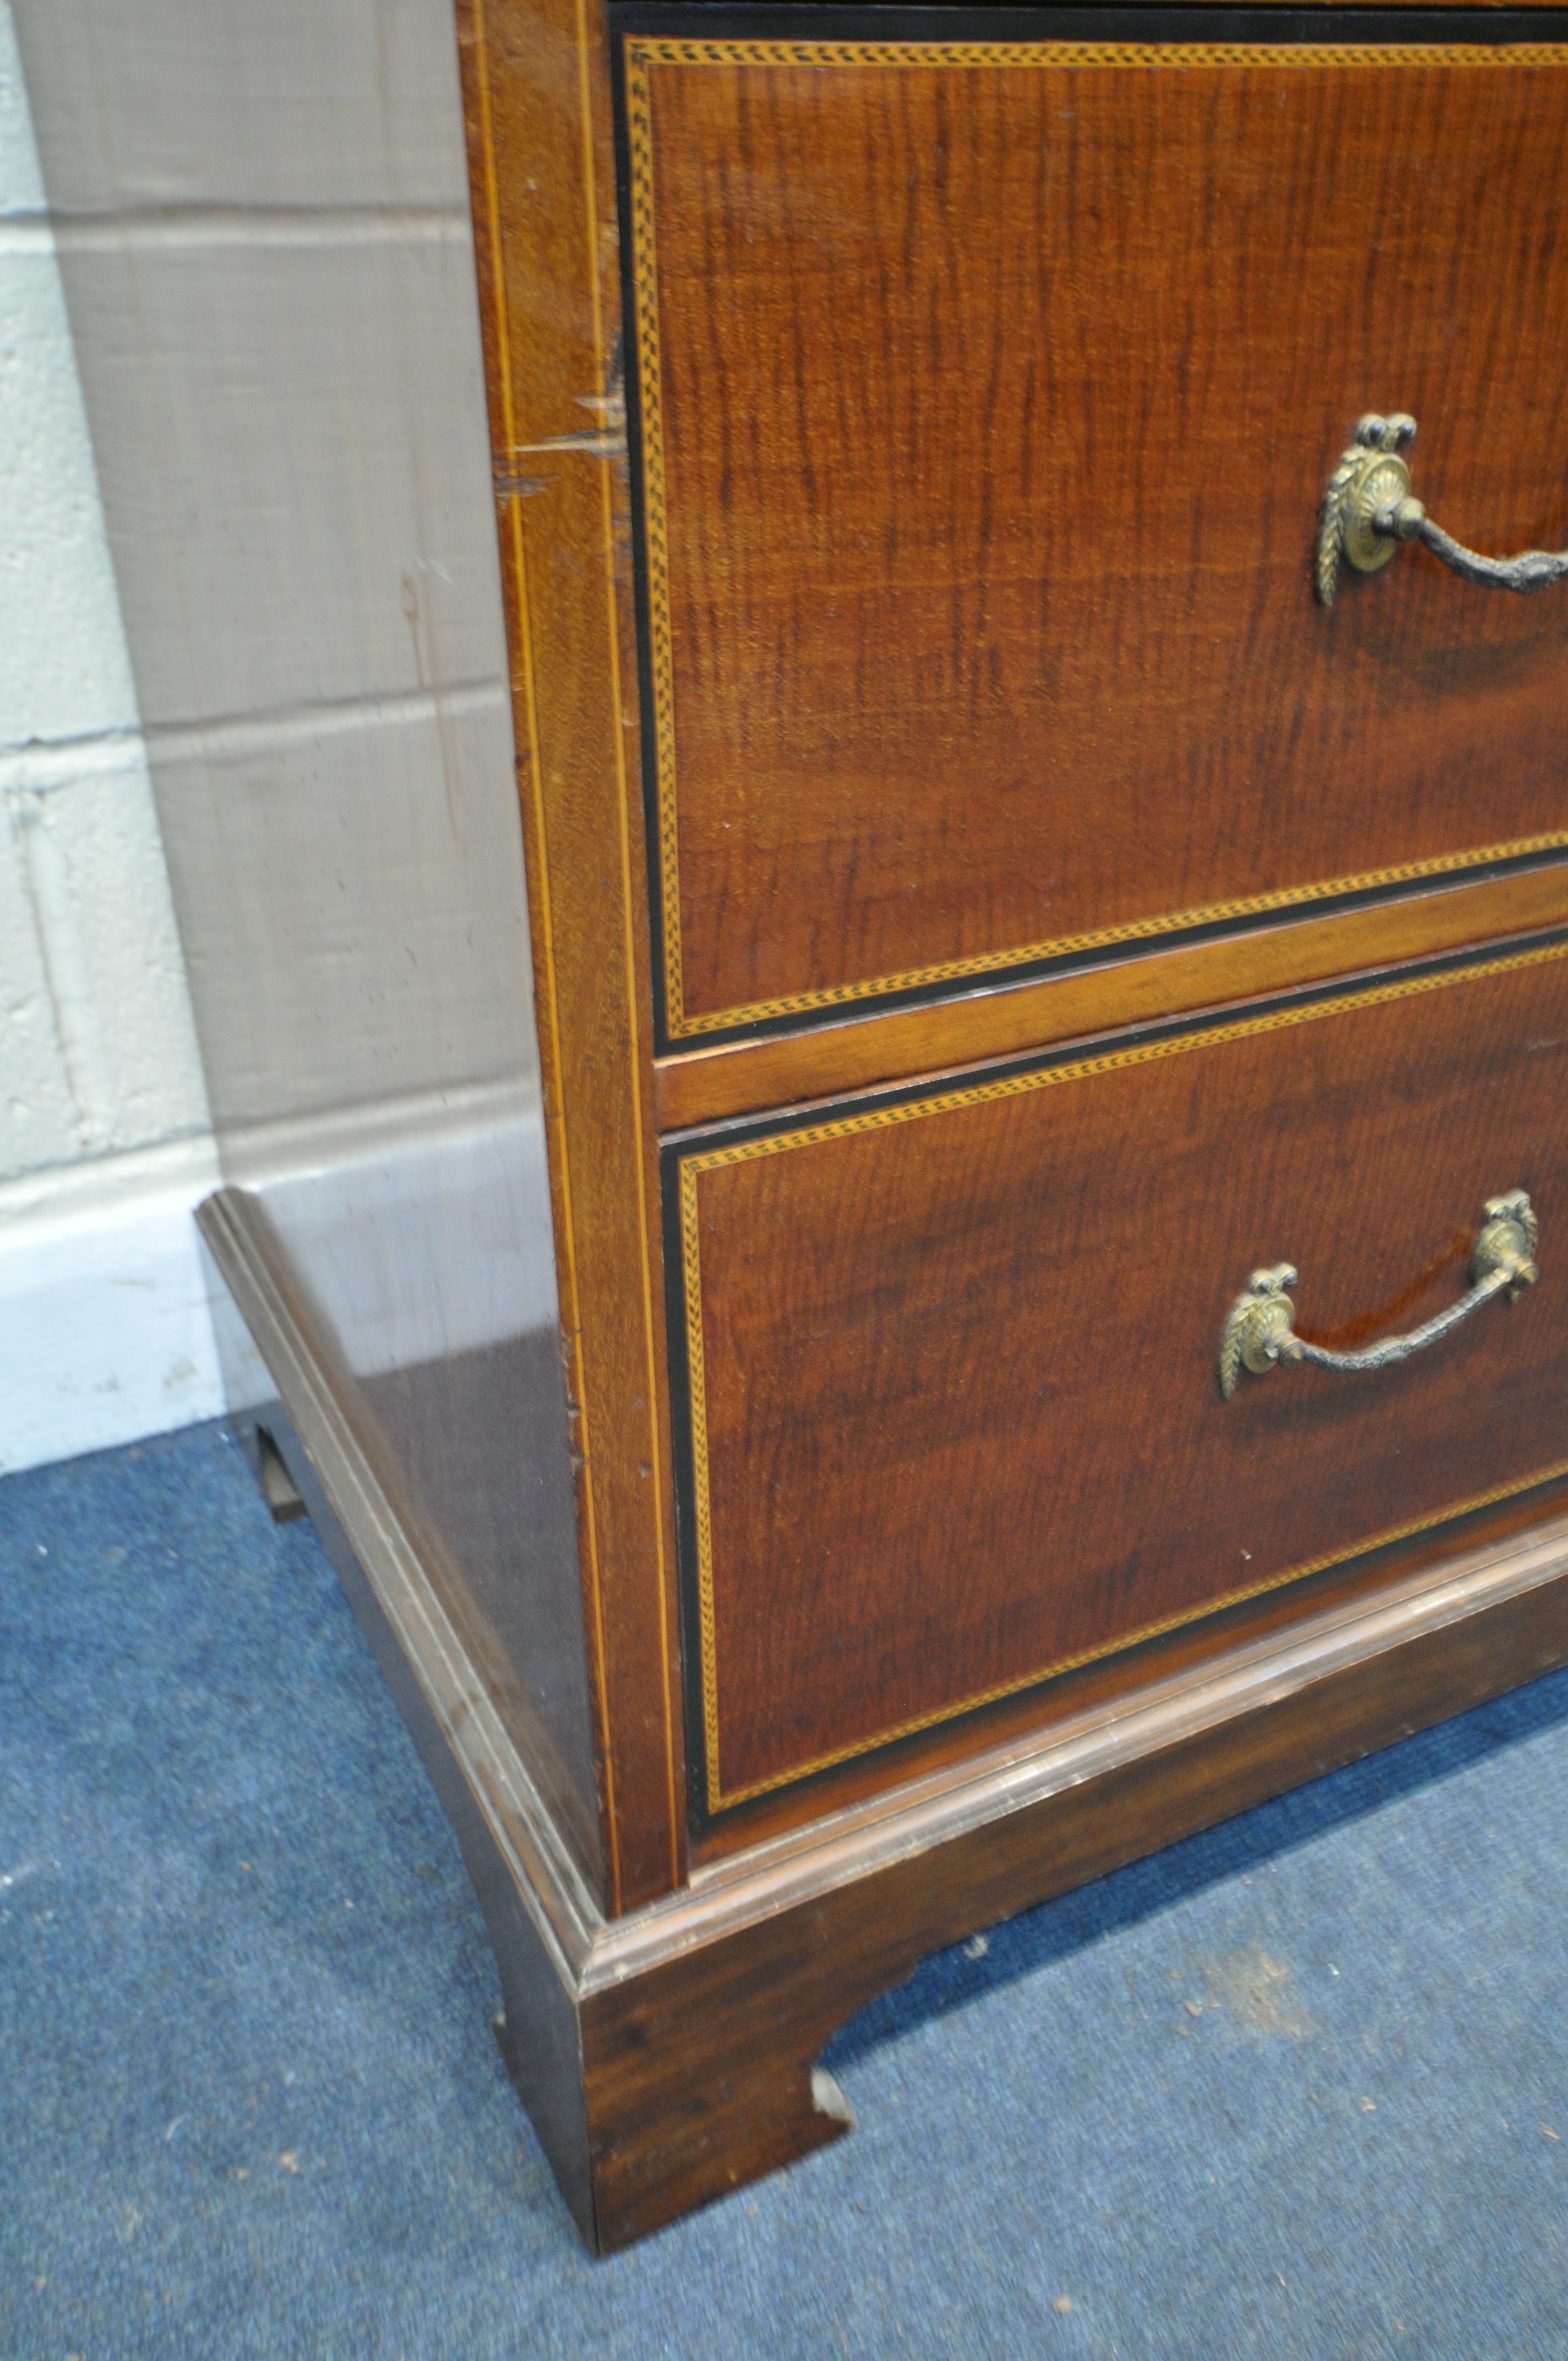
(1295, 2088)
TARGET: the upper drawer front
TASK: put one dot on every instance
(988, 397)
(950, 1358)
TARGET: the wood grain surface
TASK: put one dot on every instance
(697, 2053)
(665, 2055)
(947, 1751)
(733, 1078)
(955, 1415)
(987, 408)
(536, 97)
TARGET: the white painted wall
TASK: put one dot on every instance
(104, 1138)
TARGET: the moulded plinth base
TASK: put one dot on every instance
(668, 2056)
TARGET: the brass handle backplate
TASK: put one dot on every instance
(1260, 1334)
(1369, 509)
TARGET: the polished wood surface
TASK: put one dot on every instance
(698, 2052)
(792, 1815)
(735, 1078)
(984, 412)
(987, 408)
(536, 95)
(955, 1421)
(666, 2056)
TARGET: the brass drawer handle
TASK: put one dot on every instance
(1259, 1330)
(1368, 509)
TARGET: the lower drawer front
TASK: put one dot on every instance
(947, 1362)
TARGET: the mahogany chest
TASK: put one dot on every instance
(1049, 884)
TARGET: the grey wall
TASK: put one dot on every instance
(104, 1142)
(261, 217)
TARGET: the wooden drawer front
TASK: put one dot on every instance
(988, 397)
(952, 1415)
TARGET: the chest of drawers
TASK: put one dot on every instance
(1048, 877)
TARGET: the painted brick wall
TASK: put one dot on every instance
(104, 1131)
(260, 222)
(99, 1050)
